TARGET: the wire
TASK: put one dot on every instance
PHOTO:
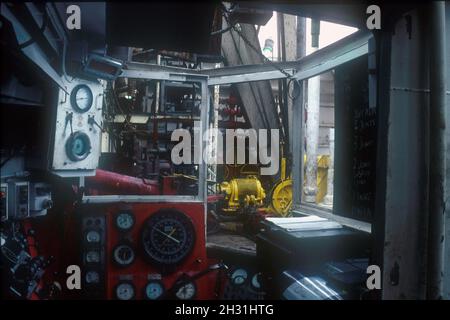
(265, 59)
(221, 31)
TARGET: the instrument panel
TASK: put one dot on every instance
(148, 251)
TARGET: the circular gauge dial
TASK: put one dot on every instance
(154, 290)
(124, 220)
(92, 277)
(78, 146)
(92, 256)
(187, 291)
(81, 98)
(123, 255)
(93, 236)
(125, 291)
(256, 281)
(168, 237)
(239, 276)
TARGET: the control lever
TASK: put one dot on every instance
(68, 120)
(188, 279)
(91, 121)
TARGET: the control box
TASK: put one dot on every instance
(24, 199)
(19, 200)
(78, 128)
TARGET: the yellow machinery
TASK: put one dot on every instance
(249, 191)
(242, 192)
(281, 201)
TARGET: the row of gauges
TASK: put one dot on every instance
(167, 238)
(240, 276)
(154, 290)
(93, 251)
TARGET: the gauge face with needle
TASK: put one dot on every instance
(168, 237)
(239, 276)
(123, 255)
(124, 220)
(154, 290)
(81, 98)
(78, 146)
(125, 291)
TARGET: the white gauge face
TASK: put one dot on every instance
(154, 290)
(81, 98)
(93, 236)
(186, 292)
(123, 255)
(92, 277)
(125, 291)
(255, 281)
(239, 276)
(92, 257)
(124, 221)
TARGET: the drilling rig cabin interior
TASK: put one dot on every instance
(225, 150)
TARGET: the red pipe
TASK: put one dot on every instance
(122, 184)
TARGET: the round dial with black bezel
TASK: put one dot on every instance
(154, 290)
(81, 98)
(124, 220)
(123, 254)
(93, 236)
(125, 291)
(78, 146)
(92, 256)
(239, 276)
(92, 277)
(168, 237)
(256, 283)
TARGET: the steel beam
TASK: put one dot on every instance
(138, 70)
(325, 59)
(32, 51)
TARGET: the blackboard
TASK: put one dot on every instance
(355, 144)
(364, 164)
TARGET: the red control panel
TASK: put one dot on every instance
(150, 251)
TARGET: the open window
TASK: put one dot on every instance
(338, 144)
(152, 144)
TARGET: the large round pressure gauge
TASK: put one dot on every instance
(125, 291)
(81, 98)
(78, 146)
(154, 290)
(168, 237)
(123, 255)
(124, 220)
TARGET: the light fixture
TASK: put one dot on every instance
(103, 67)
